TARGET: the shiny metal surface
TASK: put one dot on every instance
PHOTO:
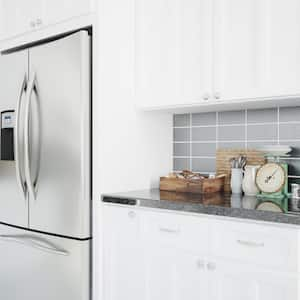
(34, 242)
(295, 191)
(60, 200)
(32, 150)
(13, 206)
(31, 268)
(17, 139)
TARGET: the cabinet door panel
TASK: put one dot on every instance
(173, 51)
(61, 10)
(174, 275)
(8, 18)
(19, 16)
(231, 281)
(238, 48)
(282, 46)
(122, 255)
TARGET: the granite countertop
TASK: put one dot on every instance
(219, 204)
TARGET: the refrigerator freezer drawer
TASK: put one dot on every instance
(37, 266)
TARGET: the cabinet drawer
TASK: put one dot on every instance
(258, 244)
(176, 231)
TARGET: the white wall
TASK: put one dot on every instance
(131, 148)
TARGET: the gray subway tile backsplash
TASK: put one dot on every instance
(232, 133)
(181, 134)
(203, 165)
(204, 149)
(195, 146)
(289, 114)
(204, 119)
(289, 131)
(232, 117)
(231, 145)
(262, 132)
(180, 164)
(258, 145)
(181, 120)
(181, 149)
(204, 134)
(269, 115)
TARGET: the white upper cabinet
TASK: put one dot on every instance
(61, 10)
(21, 16)
(188, 52)
(282, 46)
(173, 52)
(238, 52)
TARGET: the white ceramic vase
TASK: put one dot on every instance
(249, 185)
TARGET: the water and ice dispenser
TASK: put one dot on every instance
(7, 134)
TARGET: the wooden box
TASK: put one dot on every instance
(194, 186)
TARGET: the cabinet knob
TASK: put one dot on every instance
(32, 24)
(206, 97)
(39, 22)
(200, 264)
(131, 214)
(211, 266)
(217, 96)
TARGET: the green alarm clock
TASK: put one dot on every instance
(272, 180)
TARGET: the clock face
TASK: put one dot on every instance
(270, 178)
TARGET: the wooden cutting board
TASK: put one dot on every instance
(223, 166)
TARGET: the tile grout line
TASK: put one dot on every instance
(191, 139)
(246, 128)
(278, 126)
(217, 130)
(240, 124)
(235, 141)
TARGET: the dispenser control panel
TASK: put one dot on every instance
(7, 134)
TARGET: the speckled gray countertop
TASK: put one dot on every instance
(235, 206)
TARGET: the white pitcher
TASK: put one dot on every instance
(249, 185)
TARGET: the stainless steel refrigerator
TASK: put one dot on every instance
(45, 185)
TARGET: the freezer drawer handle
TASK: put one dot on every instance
(21, 182)
(34, 242)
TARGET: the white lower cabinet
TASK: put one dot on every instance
(235, 281)
(173, 274)
(123, 268)
(147, 256)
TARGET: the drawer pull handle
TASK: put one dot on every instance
(169, 230)
(211, 266)
(250, 244)
(131, 214)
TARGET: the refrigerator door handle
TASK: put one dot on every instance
(36, 243)
(21, 182)
(32, 87)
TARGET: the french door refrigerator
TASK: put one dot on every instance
(45, 190)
